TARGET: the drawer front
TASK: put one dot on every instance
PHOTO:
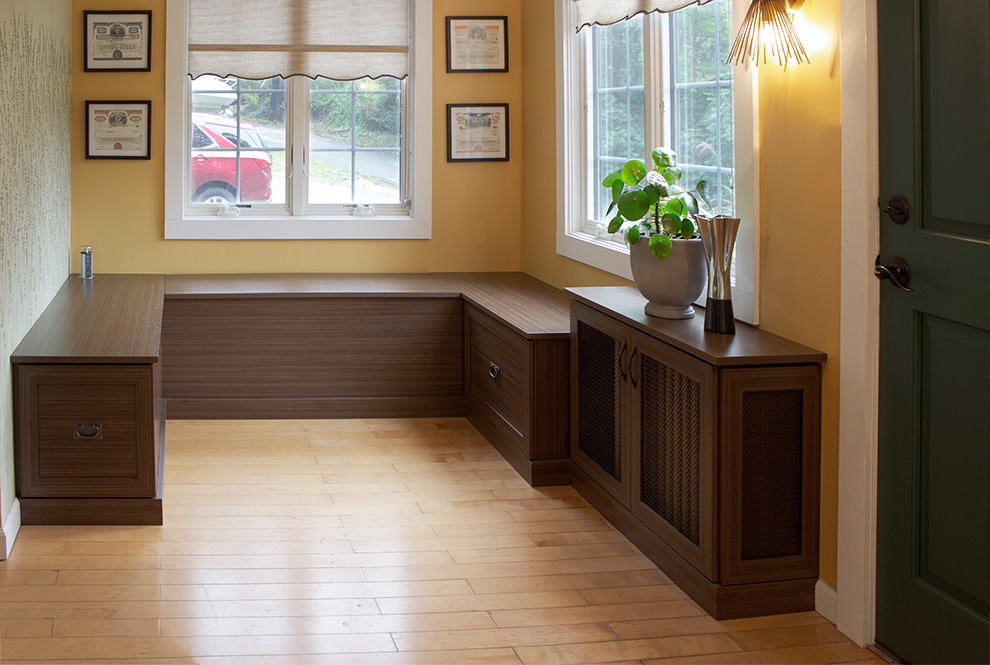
(85, 431)
(499, 371)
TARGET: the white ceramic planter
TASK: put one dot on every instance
(673, 284)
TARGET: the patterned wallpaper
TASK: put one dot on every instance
(34, 184)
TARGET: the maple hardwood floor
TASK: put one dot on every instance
(355, 542)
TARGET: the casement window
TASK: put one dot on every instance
(654, 79)
(298, 120)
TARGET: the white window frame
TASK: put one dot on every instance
(580, 240)
(186, 221)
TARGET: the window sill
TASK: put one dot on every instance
(602, 254)
(383, 227)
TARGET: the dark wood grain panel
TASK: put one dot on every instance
(107, 319)
(314, 347)
(748, 346)
(523, 303)
(490, 343)
(772, 473)
(50, 462)
(281, 285)
(78, 511)
(551, 402)
(348, 407)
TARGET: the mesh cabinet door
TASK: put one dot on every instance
(599, 432)
(674, 459)
(770, 474)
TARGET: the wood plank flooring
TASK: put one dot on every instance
(358, 542)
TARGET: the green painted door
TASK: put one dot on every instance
(933, 515)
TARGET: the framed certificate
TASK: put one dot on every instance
(477, 44)
(477, 132)
(118, 129)
(117, 41)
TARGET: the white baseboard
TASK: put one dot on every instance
(11, 526)
(826, 601)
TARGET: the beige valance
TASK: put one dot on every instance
(606, 12)
(338, 39)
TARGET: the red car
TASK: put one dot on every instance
(214, 171)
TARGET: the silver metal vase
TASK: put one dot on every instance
(718, 234)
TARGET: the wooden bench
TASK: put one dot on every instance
(489, 346)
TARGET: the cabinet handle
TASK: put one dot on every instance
(632, 358)
(622, 361)
(494, 371)
(87, 431)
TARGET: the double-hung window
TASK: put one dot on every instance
(298, 120)
(653, 79)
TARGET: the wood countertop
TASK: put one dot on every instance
(748, 346)
(528, 306)
(108, 319)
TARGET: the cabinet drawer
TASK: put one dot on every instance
(86, 431)
(498, 369)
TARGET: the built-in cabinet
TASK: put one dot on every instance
(703, 448)
(88, 419)
(517, 395)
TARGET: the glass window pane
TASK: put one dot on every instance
(351, 122)
(330, 178)
(702, 117)
(238, 141)
(377, 177)
(618, 101)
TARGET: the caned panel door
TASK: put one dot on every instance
(600, 350)
(933, 515)
(674, 460)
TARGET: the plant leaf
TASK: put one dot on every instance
(690, 202)
(614, 225)
(687, 228)
(672, 174)
(671, 223)
(612, 177)
(702, 189)
(611, 206)
(634, 204)
(674, 207)
(632, 234)
(652, 193)
(633, 171)
(660, 246)
(617, 187)
(663, 157)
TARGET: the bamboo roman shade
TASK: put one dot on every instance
(338, 39)
(606, 12)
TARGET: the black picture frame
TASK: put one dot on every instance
(118, 129)
(466, 55)
(465, 120)
(131, 52)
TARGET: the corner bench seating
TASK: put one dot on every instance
(108, 354)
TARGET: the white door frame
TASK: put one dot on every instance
(859, 342)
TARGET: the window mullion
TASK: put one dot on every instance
(655, 72)
(297, 132)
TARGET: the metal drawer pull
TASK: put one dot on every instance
(87, 431)
(494, 371)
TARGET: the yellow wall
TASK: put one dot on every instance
(799, 223)
(118, 206)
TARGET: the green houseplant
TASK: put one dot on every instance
(669, 267)
(660, 208)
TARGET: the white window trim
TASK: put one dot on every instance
(179, 224)
(573, 239)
